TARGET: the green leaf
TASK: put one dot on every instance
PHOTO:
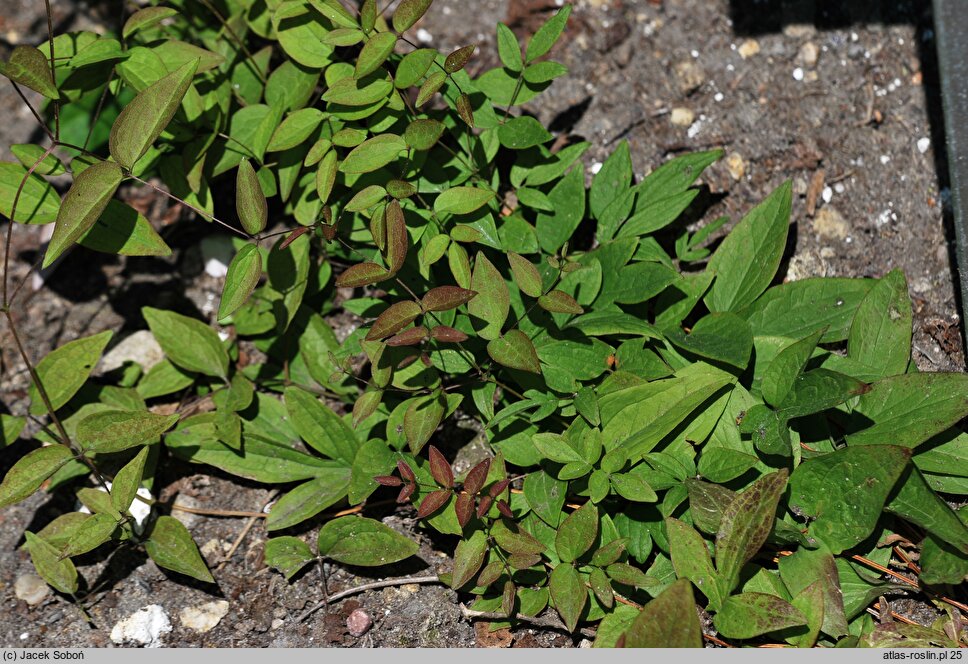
(462, 200)
(544, 72)
(421, 419)
(722, 337)
(362, 274)
(295, 129)
(568, 199)
(817, 390)
(690, 557)
(910, 409)
(546, 496)
(915, 501)
(844, 492)
(46, 163)
(373, 459)
(782, 372)
(746, 524)
(413, 66)
(409, 12)
(880, 336)
(301, 34)
(568, 593)
(363, 92)
(373, 154)
(10, 428)
(941, 562)
(607, 323)
(355, 540)
(423, 134)
(82, 206)
(30, 471)
(30, 68)
(546, 36)
(309, 499)
(38, 203)
(147, 115)
(668, 621)
(60, 574)
(189, 343)
(807, 567)
(508, 48)
(240, 280)
(610, 182)
(287, 554)
(525, 275)
(374, 53)
(430, 87)
(146, 18)
(748, 258)
(320, 427)
(127, 480)
(250, 201)
(522, 132)
(635, 283)
(747, 615)
(489, 308)
(559, 302)
(96, 531)
(63, 371)
(366, 198)
(117, 430)
(515, 351)
(123, 230)
(171, 546)
(577, 533)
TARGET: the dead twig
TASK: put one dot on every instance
(366, 586)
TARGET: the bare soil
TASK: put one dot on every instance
(840, 97)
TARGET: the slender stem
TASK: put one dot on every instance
(202, 213)
(363, 588)
(41, 390)
(100, 107)
(233, 35)
(53, 73)
(33, 111)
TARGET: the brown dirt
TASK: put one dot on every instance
(857, 115)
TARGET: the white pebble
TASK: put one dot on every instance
(694, 129)
(694, 53)
(885, 159)
(424, 36)
(145, 626)
(203, 618)
(839, 188)
(24, 636)
(798, 74)
(827, 194)
(924, 144)
(718, 96)
(597, 166)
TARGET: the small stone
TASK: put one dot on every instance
(145, 627)
(203, 618)
(187, 518)
(682, 117)
(359, 622)
(690, 76)
(217, 253)
(830, 224)
(211, 547)
(277, 623)
(736, 166)
(749, 48)
(809, 55)
(799, 30)
(140, 347)
(31, 589)
(798, 74)
(924, 144)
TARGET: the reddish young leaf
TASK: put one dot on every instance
(505, 509)
(523, 560)
(507, 598)
(410, 337)
(393, 319)
(483, 505)
(406, 472)
(491, 573)
(362, 274)
(440, 468)
(433, 502)
(444, 298)
(456, 60)
(476, 477)
(558, 302)
(498, 488)
(388, 480)
(406, 492)
(398, 240)
(464, 507)
(447, 335)
(464, 109)
(328, 231)
(292, 237)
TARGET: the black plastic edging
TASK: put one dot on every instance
(951, 28)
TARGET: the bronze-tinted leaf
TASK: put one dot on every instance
(489, 310)
(388, 480)
(30, 68)
(147, 115)
(292, 237)
(410, 337)
(508, 597)
(476, 477)
(483, 505)
(362, 275)
(505, 509)
(406, 492)
(87, 198)
(525, 275)
(423, 134)
(456, 60)
(366, 405)
(433, 502)
(464, 507)
(398, 240)
(393, 319)
(400, 189)
(491, 573)
(445, 334)
(430, 87)
(444, 298)
(668, 621)
(406, 472)
(498, 488)
(559, 302)
(409, 12)
(440, 468)
(464, 109)
(515, 351)
(374, 53)
(523, 560)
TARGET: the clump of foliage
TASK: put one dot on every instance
(668, 424)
